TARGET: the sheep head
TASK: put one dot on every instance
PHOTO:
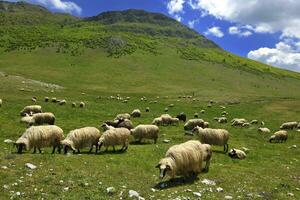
(165, 166)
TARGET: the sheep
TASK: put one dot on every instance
(262, 123)
(81, 138)
(157, 121)
(222, 120)
(166, 109)
(181, 116)
(209, 105)
(196, 115)
(40, 136)
(298, 127)
(145, 131)
(1, 103)
(125, 123)
(174, 121)
(46, 99)
(202, 111)
(254, 121)
(73, 105)
(31, 109)
(236, 153)
(223, 107)
(147, 109)
(123, 115)
(107, 127)
(39, 119)
(264, 130)
(238, 122)
(192, 123)
(53, 100)
(289, 125)
(171, 105)
(81, 104)
(184, 159)
(206, 125)
(166, 119)
(117, 136)
(224, 113)
(246, 124)
(279, 136)
(136, 113)
(206, 156)
(34, 99)
(62, 102)
(211, 136)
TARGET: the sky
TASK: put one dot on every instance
(263, 30)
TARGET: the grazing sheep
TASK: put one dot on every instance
(40, 136)
(53, 100)
(289, 125)
(236, 153)
(147, 109)
(181, 116)
(39, 119)
(73, 105)
(107, 127)
(166, 119)
(113, 137)
(222, 120)
(171, 105)
(206, 125)
(125, 123)
(202, 111)
(192, 123)
(206, 156)
(196, 115)
(81, 104)
(62, 102)
(264, 130)
(238, 122)
(123, 116)
(34, 99)
(166, 109)
(279, 136)
(31, 110)
(46, 99)
(224, 113)
(184, 159)
(1, 103)
(246, 124)
(254, 121)
(157, 121)
(174, 121)
(81, 138)
(223, 107)
(145, 131)
(136, 113)
(211, 136)
(209, 105)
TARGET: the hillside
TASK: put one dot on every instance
(155, 62)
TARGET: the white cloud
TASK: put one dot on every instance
(192, 23)
(175, 6)
(240, 31)
(215, 31)
(177, 17)
(60, 5)
(265, 16)
(285, 54)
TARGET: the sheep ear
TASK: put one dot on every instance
(157, 166)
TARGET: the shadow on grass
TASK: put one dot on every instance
(111, 152)
(176, 182)
(219, 151)
(140, 143)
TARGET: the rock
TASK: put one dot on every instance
(166, 141)
(153, 190)
(208, 182)
(110, 190)
(290, 194)
(197, 194)
(86, 184)
(298, 189)
(66, 189)
(8, 141)
(219, 189)
(4, 167)
(228, 197)
(30, 166)
(18, 193)
(5, 186)
(134, 195)
(188, 190)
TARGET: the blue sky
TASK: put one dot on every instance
(265, 30)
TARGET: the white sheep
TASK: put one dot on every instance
(279, 136)
(264, 130)
(211, 136)
(106, 127)
(157, 121)
(145, 132)
(289, 125)
(183, 159)
(192, 123)
(39, 119)
(206, 125)
(254, 121)
(136, 113)
(46, 99)
(53, 100)
(62, 102)
(238, 122)
(81, 104)
(31, 110)
(73, 105)
(222, 120)
(236, 153)
(113, 137)
(123, 116)
(174, 121)
(81, 138)
(40, 136)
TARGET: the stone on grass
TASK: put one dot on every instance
(30, 166)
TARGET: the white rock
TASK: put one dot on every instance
(4, 167)
(166, 141)
(30, 166)
(5, 186)
(219, 189)
(133, 194)
(188, 190)
(86, 184)
(8, 141)
(228, 197)
(293, 147)
(61, 181)
(153, 190)
(18, 193)
(208, 182)
(197, 194)
(110, 190)
(66, 188)
(290, 194)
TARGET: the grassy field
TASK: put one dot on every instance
(270, 171)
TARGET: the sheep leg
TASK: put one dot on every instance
(114, 149)
(59, 149)
(155, 140)
(226, 148)
(34, 150)
(91, 149)
(40, 150)
(53, 151)
(78, 151)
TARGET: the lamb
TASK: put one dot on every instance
(136, 113)
(289, 125)
(222, 120)
(246, 124)
(81, 104)
(264, 130)
(192, 123)
(211, 136)
(39, 119)
(145, 131)
(31, 110)
(40, 136)
(81, 138)
(183, 159)
(236, 153)
(224, 113)
(117, 136)
(279, 136)
(123, 115)
(181, 116)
